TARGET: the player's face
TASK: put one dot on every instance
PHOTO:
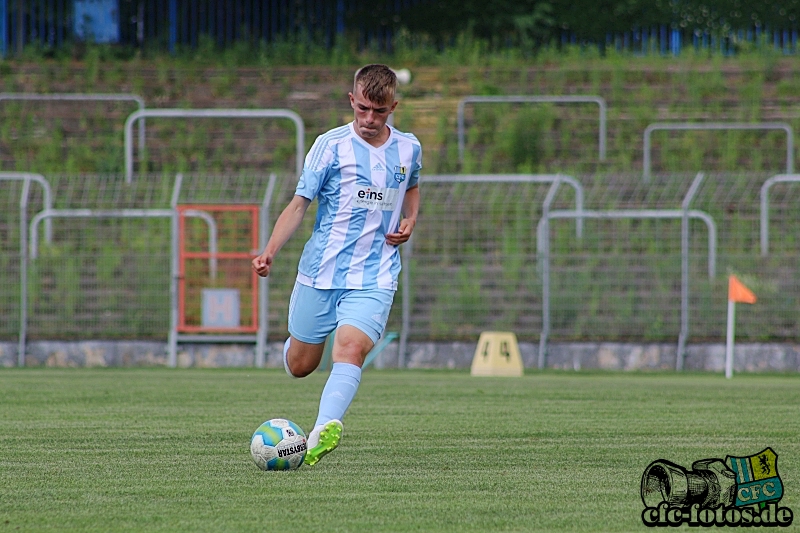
(370, 117)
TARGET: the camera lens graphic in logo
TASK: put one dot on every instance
(709, 483)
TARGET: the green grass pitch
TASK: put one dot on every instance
(160, 449)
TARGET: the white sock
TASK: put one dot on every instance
(339, 391)
(285, 362)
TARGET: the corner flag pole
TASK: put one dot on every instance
(729, 339)
(737, 292)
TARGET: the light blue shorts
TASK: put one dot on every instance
(314, 313)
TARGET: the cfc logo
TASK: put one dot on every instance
(400, 174)
(739, 491)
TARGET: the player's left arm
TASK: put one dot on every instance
(410, 212)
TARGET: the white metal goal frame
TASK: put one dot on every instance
(764, 199)
(29, 251)
(47, 198)
(684, 214)
(83, 97)
(700, 126)
(476, 178)
(213, 113)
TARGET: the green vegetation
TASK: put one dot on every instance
(595, 275)
(168, 450)
(697, 86)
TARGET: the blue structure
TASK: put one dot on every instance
(95, 20)
(3, 28)
(175, 24)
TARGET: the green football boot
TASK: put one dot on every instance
(323, 440)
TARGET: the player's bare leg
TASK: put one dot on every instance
(351, 345)
(301, 358)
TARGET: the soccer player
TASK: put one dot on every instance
(364, 176)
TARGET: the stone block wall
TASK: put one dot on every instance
(455, 355)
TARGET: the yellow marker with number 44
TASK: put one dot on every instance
(497, 354)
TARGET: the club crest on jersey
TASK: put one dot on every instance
(400, 174)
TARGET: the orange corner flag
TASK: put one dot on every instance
(737, 292)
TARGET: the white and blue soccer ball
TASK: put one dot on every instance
(278, 444)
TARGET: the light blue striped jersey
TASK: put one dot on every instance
(360, 190)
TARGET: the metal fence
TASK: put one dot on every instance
(167, 25)
(699, 126)
(474, 264)
(109, 269)
(685, 214)
(83, 98)
(80, 133)
(66, 130)
(94, 133)
(139, 116)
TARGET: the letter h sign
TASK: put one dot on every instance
(217, 289)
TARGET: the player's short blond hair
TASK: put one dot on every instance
(378, 83)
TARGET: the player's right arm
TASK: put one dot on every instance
(286, 225)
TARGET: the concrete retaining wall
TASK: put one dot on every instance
(570, 356)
